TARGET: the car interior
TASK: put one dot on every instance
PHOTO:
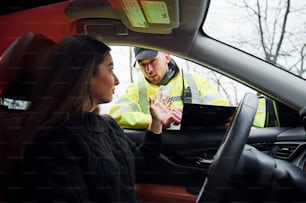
(240, 163)
(21, 66)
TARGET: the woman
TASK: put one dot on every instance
(71, 153)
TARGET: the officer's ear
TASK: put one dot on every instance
(167, 57)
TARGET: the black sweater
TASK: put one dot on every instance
(88, 159)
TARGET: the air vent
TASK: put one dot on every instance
(286, 151)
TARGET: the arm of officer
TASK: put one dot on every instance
(209, 94)
(128, 112)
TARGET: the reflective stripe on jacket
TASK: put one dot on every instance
(131, 110)
(267, 114)
(260, 117)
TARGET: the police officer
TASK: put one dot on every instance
(161, 74)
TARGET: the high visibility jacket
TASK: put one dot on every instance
(266, 115)
(260, 116)
(131, 110)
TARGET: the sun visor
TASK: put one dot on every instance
(158, 17)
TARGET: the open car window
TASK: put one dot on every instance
(274, 114)
(124, 65)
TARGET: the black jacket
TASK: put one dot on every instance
(88, 159)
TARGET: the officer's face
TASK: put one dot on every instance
(155, 69)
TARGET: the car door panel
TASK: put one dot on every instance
(185, 159)
(164, 193)
(189, 153)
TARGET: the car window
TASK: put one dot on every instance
(271, 30)
(123, 58)
(15, 104)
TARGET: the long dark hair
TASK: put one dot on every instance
(63, 92)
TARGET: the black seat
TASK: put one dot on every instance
(21, 66)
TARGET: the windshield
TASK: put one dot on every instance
(272, 30)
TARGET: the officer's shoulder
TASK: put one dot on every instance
(196, 75)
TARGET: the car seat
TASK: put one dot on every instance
(21, 66)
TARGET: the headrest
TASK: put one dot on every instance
(21, 65)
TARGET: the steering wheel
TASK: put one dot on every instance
(219, 173)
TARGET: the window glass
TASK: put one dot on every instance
(272, 30)
(16, 104)
(123, 58)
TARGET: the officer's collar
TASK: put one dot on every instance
(173, 71)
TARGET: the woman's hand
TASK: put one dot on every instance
(173, 116)
(159, 110)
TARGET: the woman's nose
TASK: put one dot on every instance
(116, 80)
